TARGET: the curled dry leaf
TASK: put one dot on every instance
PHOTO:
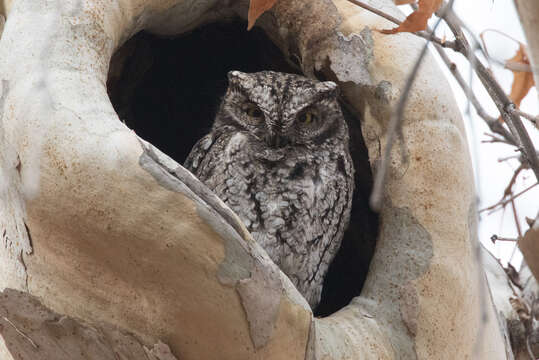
(529, 245)
(522, 80)
(416, 21)
(257, 8)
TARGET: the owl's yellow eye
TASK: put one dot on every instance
(307, 117)
(252, 110)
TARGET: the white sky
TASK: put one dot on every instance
(493, 176)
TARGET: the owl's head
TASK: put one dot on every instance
(282, 109)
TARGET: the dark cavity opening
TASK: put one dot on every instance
(168, 90)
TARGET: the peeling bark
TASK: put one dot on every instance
(30, 331)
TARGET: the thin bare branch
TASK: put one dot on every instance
(505, 158)
(444, 43)
(510, 65)
(519, 230)
(501, 100)
(461, 45)
(493, 124)
(495, 238)
(503, 203)
(496, 139)
(376, 11)
(512, 108)
(517, 134)
(509, 188)
(517, 66)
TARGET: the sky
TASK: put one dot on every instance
(492, 175)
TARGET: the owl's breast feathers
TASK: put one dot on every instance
(296, 205)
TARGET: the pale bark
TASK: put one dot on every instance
(530, 295)
(122, 234)
(31, 331)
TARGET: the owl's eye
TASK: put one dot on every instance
(252, 111)
(307, 117)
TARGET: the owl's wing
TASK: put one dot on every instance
(198, 153)
(323, 227)
(198, 161)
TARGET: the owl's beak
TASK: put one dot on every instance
(275, 140)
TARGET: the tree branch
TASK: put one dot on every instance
(493, 123)
(517, 134)
(533, 119)
(423, 34)
(501, 100)
(502, 203)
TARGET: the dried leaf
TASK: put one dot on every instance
(417, 20)
(522, 80)
(529, 245)
(257, 8)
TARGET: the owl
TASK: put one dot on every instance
(278, 156)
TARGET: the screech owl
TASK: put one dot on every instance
(278, 156)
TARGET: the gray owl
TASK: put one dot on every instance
(278, 156)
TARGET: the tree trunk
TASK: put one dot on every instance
(103, 227)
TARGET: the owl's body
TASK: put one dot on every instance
(278, 156)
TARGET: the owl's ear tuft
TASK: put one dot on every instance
(328, 87)
(236, 76)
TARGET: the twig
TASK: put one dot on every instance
(460, 45)
(533, 119)
(495, 238)
(519, 230)
(515, 217)
(428, 36)
(501, 100)
(493, 124)
(502, 203)
(509, 188)
(395, 124)
(517, 66)
(496, 139)
(502, 159)
(21, 333)
(510, 65)
(376, 11)
(517, 135)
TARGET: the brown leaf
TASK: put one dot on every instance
(417, 20)
(529, 245)
(522, 80)
(257, 8)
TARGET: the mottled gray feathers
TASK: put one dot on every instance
(278, 156)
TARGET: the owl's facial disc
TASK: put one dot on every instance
(281, 110)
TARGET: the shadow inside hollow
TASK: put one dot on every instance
(168, 91)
